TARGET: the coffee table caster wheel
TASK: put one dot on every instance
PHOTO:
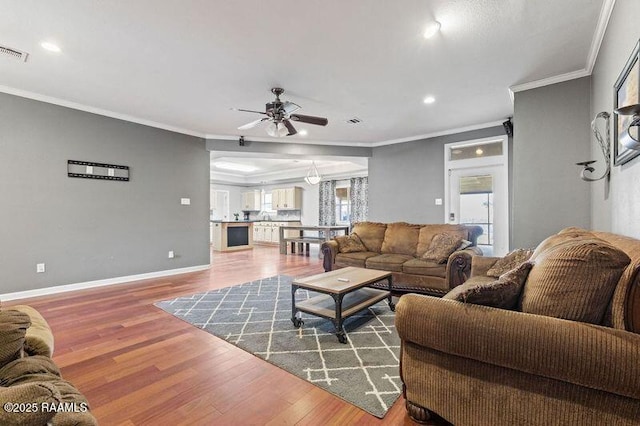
(297, 322)
(342, 338)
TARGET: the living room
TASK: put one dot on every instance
(102, 243)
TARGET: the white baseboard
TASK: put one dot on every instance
(98, 283)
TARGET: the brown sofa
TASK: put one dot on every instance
(398, 247)
(32, 391)
(480, 365)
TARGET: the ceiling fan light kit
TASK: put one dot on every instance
(280, 115)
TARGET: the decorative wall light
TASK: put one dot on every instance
(627, 138)
(313, 177)
(605, 146)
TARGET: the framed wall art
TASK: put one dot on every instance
(626, 91)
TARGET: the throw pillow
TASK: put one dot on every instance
(350, 244)
(502, 293)
(574, 280)
(464, 244)
(441, 247)
(510, 261)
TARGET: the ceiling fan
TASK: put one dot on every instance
(280, 115)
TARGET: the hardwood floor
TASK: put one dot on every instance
(138, 365)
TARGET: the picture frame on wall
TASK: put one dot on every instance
(626, 91)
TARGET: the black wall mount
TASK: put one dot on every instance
(102, 171)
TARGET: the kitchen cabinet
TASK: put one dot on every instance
(216, 236)
(251, 201)
(269, 232)
(287, 198)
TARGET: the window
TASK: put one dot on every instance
(343, 205)
(267, 201)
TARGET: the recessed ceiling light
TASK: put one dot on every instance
(431, 29)
(479, 151)
(303, 132)
(51, 47)
(234, 166)
(429, 100)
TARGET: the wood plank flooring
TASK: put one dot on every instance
(138, 365)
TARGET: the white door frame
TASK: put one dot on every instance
(502, 188)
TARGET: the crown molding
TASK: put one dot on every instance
(436, 134)
(98, 111)
(598, 36)
(596, 42)
(549, 81)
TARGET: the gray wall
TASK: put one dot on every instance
(551, 134)
(86, 229)
(406, 178)
(617, 207)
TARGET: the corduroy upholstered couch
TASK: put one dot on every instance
(480, 365)
(398, 247)
(32, 391)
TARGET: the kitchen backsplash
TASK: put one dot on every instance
(281, 215)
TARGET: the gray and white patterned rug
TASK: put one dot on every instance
(256, 317)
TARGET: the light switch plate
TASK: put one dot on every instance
(185, 201)
(40, 268)
(438, 201)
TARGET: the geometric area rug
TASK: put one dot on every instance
(256, 317)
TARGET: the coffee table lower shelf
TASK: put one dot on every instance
(338, 307)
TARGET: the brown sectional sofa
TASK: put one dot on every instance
(32, 390)
(480, 365)
(398, 247)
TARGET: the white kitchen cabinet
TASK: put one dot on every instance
(251, 201)
(216, 235)
(287, 198)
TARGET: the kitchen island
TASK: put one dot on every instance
(231, 235)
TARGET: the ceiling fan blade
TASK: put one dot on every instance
(318, 121)
(252, 124)
(289, 107)
(289, 126)
(249, 110)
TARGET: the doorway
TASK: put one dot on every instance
(476, 190)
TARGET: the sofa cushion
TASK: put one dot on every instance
(567, 235)
(400, 238)
(513, 259)
(427, 232)
(574, 280)
(371, 234)
(441, 247)
(13, 328)
(424, 267)
(388, 262)
(39, 339)
(356, 259)
(501, 293)
(350, 244)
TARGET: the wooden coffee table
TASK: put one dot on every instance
(343, 295)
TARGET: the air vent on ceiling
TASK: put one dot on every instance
(13, 53)
(354, 120)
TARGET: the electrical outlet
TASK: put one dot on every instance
(40, 268)
(171, 254)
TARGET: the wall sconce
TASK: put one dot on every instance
(627, 138)
(605, 145)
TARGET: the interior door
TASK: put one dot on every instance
(479, 196)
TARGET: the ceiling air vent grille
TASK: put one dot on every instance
(354, 120)
(13, 53)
